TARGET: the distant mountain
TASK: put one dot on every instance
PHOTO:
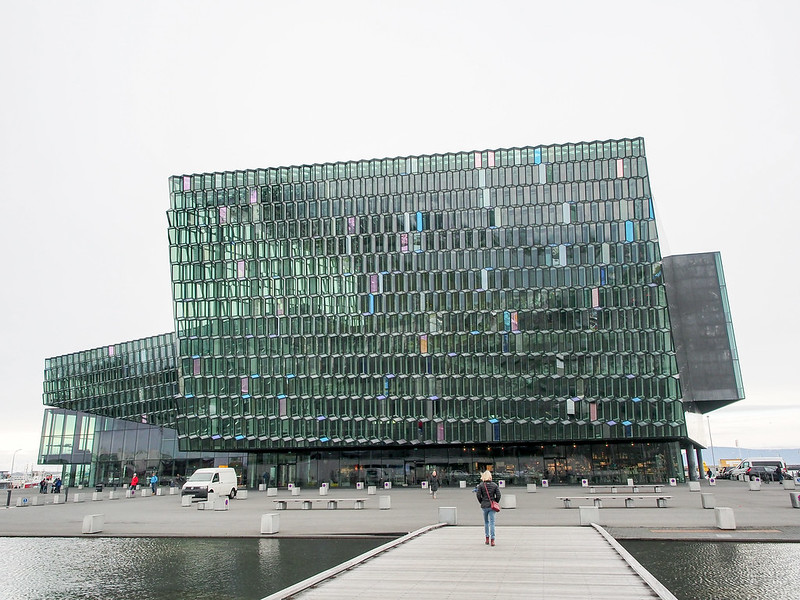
(790, 455)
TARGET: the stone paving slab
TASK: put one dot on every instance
(763, 515)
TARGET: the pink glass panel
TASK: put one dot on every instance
(280, 306)
(491, 158)
(440, 432)
(514, 321)
(373, 283)
(351, 224)
(196, 366)
(240, 269)
(403, 242)
(253, 196)
(111, 350)
(593, 411)
(245, 384)
(223, 214)
(282, 407)
(187, 183)
(619, 167)
(477, 160)
(595, 297)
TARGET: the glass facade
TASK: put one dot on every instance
(371, 320)
(498, 296)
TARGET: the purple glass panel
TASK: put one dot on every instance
(245, 385)
(403, 242)
(253, 196)
(477, 160)
(240, 269)
(373, 283)
(196, 366)
(351, 224)
(187, 183)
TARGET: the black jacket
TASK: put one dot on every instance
(493, 493)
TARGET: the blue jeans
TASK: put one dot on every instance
(488, 522)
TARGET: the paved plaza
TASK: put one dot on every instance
(765, 515)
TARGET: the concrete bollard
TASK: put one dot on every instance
(23, 502)
(371, 490)
(531, 488)
(508, 501)
(384, 502)
(501, 483)
(795, 498)
(723, 516)
(129, 493)
(462, 484)
(755, 486)
(77, 497)
(57, 499)
(694, 486)
(448, 514)
(97, 496)
(712, 481)
(290, 487)
(630, 482)
(159, 491)
(359, 485)
(584, 483)
(241, 494)
(387, 485)
(708, 500)
(113, 495)
(424, 485)
(93, 523)
(673, 482)
(788, 484)
(272, 491)
(173, 491)
(146, 492)
(207, 505)
(270, 523)
(262, 487)
(545, 483)
(186, 500)
(589, 515)
(221, 503)
(295, 491)
(323, 491)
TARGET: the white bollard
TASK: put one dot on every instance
(270, 523)
(387, 485)
(186, 500)
(755, 486)
(788, 484)
(694, 486)
(262, 487)
(708, 500)
(795, 498)
(673, 482)
(77, 498)
(359, 485)
(96, 496)
(531, 488)
(173, 491)
(584, 483)
(272, 491)
(712, 481)
(23, 502)
(501, 483)
(424, 485)
(723, 516)
(589, 515)
(371, 490)
(545, 483)
(630, 482)
(241, 494)
(508, 501)
(448, 514)
(384, 502)
(290, 487)
(323, 491)
(462, 484)
(295, 491)
(159, 491)
(93, 524)
(57, 499)
(221, 503)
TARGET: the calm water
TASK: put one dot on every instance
(161, 568)
(245, 569)
(722, 570)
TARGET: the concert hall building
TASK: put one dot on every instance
(374, 320)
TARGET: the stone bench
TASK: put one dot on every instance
(308, 503)
(634, 489)
(661, 501)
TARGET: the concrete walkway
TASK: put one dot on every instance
(765, 515)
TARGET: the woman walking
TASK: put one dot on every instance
(488, 490)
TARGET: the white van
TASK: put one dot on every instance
(769, 462)
(205, 483)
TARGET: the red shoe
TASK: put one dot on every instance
(487, 540)
(492, 542)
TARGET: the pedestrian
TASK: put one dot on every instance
(154, 482)
(778, 474)
(433, 484)
(488, 490)
(134, 483)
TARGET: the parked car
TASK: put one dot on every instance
(760, 461)
(763, 473)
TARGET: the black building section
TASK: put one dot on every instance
(702, 331)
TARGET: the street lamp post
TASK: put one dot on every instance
(13, 458)
(711, 442)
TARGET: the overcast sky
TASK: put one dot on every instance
(102, 101)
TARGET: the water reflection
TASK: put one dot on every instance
(722, 570)
(159, 568)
